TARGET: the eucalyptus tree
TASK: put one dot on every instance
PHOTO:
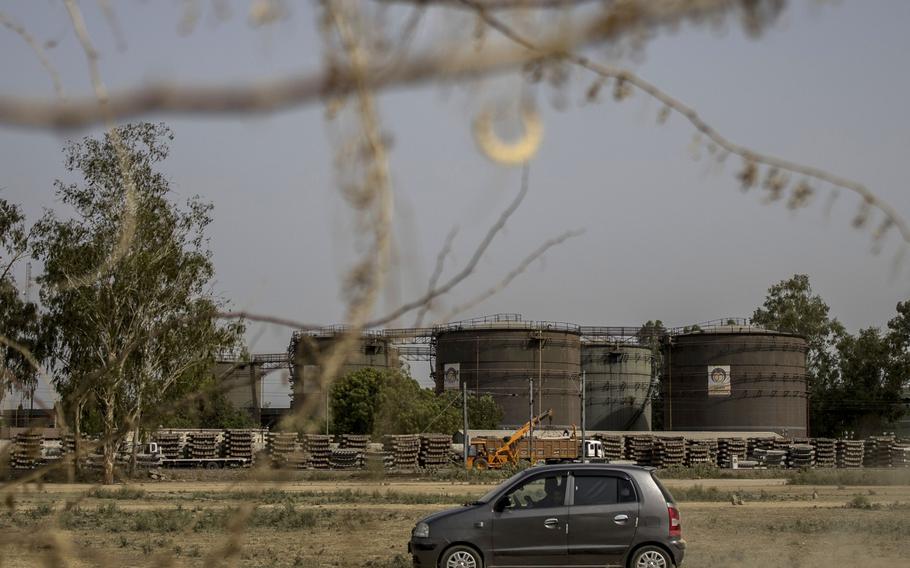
(127, 283)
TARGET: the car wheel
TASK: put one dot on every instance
(461, 557)
(481, 464)
(651, 557)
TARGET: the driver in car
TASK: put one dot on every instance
(553, 495)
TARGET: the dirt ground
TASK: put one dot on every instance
(367, 523)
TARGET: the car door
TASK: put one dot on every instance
(603, 518)
(529, 522)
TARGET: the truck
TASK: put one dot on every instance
(493, 453)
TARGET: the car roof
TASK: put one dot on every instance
(629, 468)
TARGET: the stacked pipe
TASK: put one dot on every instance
(700, 452)
(346, 458)
(319, 448)
(727, 448)
(434, 450)
(802, 456)
(401, 451)
(354, 441)
(900, 453)
(850, 453)
(640, 449)
(202, 445)
(168, 444)
(612, 446)
(825, 452)
(238, 444)
(26, 453)
(878, 451)
(283, 450)
(753, 444)
(669, 452)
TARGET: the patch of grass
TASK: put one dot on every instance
(123, 493)
(845, 477)
(344, 496)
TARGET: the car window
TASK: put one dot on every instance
(603, 490)
(538, 493)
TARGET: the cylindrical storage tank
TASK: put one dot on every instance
(370, 351)
(618, 386)
(501, 358)
(736, 378)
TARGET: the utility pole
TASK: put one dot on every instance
(464, 411)
(583, 416)
(531, 419)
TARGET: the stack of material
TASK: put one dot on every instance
(802, 455)
(168, 444)
(283, 450)
(612, 446)
(401, 451)
(26, 453)
(434, 450)
(825, 452)
(782, 443)
(900, 453)
(850, 453)
(878, 451)
(770, 458)
(670, 451)
(318, 446)
(202, 445)
(701, 452)
(640, 449)
(238, 444)
(346, 458)
(753, 444)
(354, 441)
(729, 447)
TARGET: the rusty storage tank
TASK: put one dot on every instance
(736, 378)
(498, 356)
(618, 385)
(372, 350)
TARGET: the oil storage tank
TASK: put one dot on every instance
(372, 350)
(501, 356)
(618, 385)
(736, 378)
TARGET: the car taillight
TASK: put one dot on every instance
(675, 525)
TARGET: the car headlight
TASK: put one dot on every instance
(422, 530)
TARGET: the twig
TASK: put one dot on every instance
(517, 271)
(469, 267)
(39, 52)
(437, 274)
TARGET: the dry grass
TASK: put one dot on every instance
(363, 523)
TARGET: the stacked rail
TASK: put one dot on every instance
(640, 449)
(401, 452)
(669, 452)
(434, 450)
(319, 449)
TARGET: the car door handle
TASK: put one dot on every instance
(620, 519)
(551, 523)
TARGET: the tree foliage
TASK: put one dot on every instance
(378, 402)
(855, 381)
(126, 336)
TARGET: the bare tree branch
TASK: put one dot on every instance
(39, 52)
(447, 63)
(626, 77)
(469, 267)
(437, 274)
(514, 273)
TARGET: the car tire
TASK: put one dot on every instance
(651, 557)
(481, 464)
(460, 556)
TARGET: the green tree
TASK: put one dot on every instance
(650, 335)
(20, 322)
(377, 402)
(792, 306)
(146, 322)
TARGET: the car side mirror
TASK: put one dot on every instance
(501, 505)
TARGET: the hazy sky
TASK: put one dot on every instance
(666, 237)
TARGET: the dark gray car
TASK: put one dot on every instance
(558, 515)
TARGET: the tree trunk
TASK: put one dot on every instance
(77, 439)
(137, 425)
(110, 444)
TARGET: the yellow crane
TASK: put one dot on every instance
(493, 454)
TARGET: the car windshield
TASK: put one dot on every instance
(492, 493)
